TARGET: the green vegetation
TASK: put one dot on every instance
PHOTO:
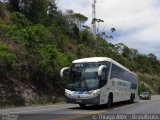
(149, 83)
(37, 40)
(46, 100)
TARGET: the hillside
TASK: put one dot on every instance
(37, 41)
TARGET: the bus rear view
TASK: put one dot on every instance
(89, 82)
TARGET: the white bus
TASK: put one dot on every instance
(99, 80)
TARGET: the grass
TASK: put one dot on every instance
(46, 100)
(37, 101)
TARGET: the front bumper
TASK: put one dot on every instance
(145, 98)
(94, 100)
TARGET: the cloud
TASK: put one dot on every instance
(79, 6)
(137, 21)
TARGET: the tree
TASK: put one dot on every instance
(75, 30)
(151, 55)
(69, 16)
(126, 52)
(113, 29)
(104, 35)
(99, 21)
(3, 12)
(79, 19)
(52, 8)
(134, 53)
(14, 4)
(86, 27)
(33, 9)
(75, 22)
(119, 47)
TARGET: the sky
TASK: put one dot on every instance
(137, 21)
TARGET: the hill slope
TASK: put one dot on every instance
(34, 47)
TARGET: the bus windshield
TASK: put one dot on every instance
(83, 76)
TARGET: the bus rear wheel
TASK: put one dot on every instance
(132, 98)
(82, 105)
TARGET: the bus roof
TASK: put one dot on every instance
(99, 59)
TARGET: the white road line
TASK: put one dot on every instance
(140, 102)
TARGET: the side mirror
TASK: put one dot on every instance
(100, 70)
(62, 71)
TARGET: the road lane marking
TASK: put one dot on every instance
(75, 116)
(45, 109)
(129, 105)
(90, 113)
(78, 116)
(87, 114)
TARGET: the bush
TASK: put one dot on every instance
(7, 60)
(143, 88)
(20, 20)
(31, 37)
(47, 100)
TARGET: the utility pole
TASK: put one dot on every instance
(94, 17)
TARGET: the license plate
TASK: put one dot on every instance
(78, 101)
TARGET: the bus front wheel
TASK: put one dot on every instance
(82, 105)
(109, 103)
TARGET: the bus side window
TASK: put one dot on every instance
(105, 73)
(104, 77)
(106, 70)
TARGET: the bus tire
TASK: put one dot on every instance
(132, 98)
(110, 101)
(82, 105)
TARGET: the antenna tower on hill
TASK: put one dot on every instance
(94, 17)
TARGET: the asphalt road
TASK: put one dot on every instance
(74, 112)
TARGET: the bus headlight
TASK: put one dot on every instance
(94, 92)
(67, 92)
